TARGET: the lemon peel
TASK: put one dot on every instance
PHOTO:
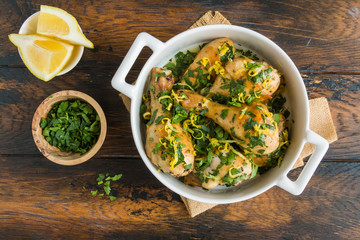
(43, 56)
(56, 22)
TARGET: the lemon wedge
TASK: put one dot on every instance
(56, 22)
(43, 56)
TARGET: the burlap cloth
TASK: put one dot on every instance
(320, 119)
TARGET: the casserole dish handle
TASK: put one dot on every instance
(143, 39)
(298, 186)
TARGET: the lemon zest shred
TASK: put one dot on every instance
(147, 115)
(163, 97)
(184, 84)
(242, 113)
(169, 107)
(204, 61)
(255, 94)
(218, 68)
(241, 97)
(230, 174)
(202, 135)
(145, 97)
(204, 102)
(225, 147)
(214, 142)
(266, 81)
(176, 157)
(186, 123)
(177, 97)
(267, 113)
(193, 118)
(165, 119)
(286, 138)
(162, 143)
(275, 130)
(253, 73)
(197, 159)
(223, 49)
(259, 131)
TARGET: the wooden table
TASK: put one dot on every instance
(42, 200)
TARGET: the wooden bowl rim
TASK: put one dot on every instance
(43, 109)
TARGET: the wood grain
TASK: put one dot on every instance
(42, 200)
(317, 35)
(18, 104)
(47, 206)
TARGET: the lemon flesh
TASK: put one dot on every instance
(56, 22)
(43, 56)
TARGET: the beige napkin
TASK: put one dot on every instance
(320, 121)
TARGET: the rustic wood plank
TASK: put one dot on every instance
(21, 93)
(317, 35)
(42, 200)
(58, 206)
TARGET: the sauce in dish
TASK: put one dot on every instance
(215, 115)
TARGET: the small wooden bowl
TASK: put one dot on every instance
(53, 153)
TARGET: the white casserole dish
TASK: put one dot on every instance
(297, 100)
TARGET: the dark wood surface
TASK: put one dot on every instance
(42, 200)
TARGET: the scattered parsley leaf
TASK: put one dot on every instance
(224, 113)
(152, 118)
(276, 118)
(157, 75)
(104, 181)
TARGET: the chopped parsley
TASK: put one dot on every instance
(157, 75)
(229, 54)
(181, 63)
(249, 125)
(71, 126)
(224, 113)
(152, 117)
(104, 181)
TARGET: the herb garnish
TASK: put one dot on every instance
(152, 117)
(104, 181)
(182, 61)
(249, 124)
(224, 113)
(229, 54)
(157, 75)
(71, 126)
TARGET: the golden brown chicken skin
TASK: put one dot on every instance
(167, 145)
(220, 173)
(252, 125)
(249, 78)
(208, 62)
(262, 160)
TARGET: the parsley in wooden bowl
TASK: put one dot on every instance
(69, 127)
